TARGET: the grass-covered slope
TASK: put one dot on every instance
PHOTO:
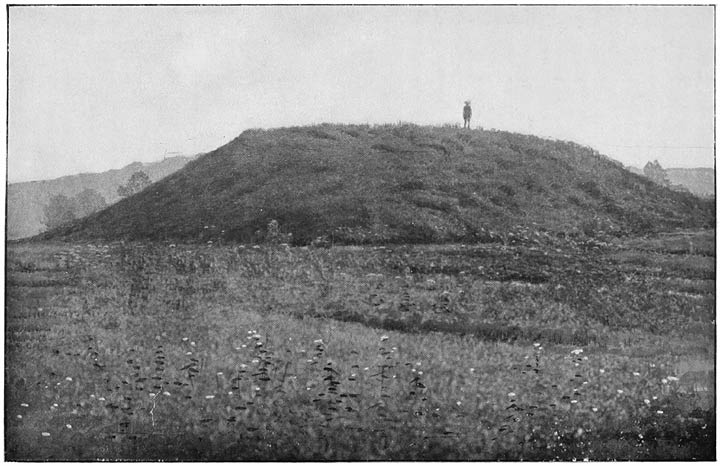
(392, 183)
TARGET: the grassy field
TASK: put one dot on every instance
(530, 348)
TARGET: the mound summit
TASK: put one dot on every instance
(392, 183)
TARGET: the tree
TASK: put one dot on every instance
(656, 173)
(61, 210)
(137, 182)
(88, 202)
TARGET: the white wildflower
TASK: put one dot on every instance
(24, 405)
(576, 351)
(672, 378)
(166, 393)
(659, 411)
(384, 337)
(511, 394)
(45, 434)
(209, 397)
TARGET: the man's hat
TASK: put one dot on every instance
(467, 102)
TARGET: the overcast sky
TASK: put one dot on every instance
(94, 88)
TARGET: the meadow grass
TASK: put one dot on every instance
(457, 352)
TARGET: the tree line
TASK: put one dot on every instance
(62, 209)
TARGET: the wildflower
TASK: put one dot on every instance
(536, 345)
(151, 395)
(659, 411)
(45, 434)
(418, 363)
(68, 426)
(209, 397)
(19, 416)
(219, 373)
(394, 348)
(366, 369)
(102, 398)
(472, 369)
(412, 370)
(576, 351)
(309, 360)
(24, 405)
(256, 336)
(229, 393)
(594, 410)
(259, 343)
(654, 398)
(192, 343)
(602, 371)
(257, 389)
(243, 366)
(459, 403)
(636, 374)
(664, 381)
(189, 353)
(384, 337)
(672, 378)
(244, 346)
(55, 405)
(185, 339)
(511, 394)
(255, 361)
(319, 342)
(620, 392)
(420, 372)
(69, 379)
(573, 401)
(166, 393)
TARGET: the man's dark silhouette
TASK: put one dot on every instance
(467, 114)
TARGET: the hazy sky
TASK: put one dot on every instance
(94, 88)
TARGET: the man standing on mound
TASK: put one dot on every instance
(467, 114)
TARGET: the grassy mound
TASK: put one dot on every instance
(383, 184)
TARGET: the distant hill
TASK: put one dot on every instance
(699, 181)
(390, 183)
(26, 201)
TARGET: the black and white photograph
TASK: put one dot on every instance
(360, 232)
